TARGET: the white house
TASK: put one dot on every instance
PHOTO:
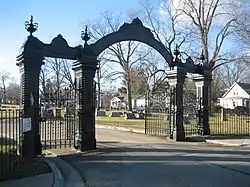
(139, 101)
(237, 95)
(117, 102)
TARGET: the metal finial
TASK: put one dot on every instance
(85, 35)
(202, 57)
(30, 26)
(176, 51)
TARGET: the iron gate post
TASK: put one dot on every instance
(86, 72)
(203, 85)
(206, 101)
(176, 79)
(87, 105)
(30, 61)
(199, 83)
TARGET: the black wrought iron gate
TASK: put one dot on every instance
(192, 111)
(157, 114)
(160, 113)
(58, 118)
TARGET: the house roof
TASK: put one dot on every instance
(119, 97)
(139, 96)
(244, 86)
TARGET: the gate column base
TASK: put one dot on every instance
(88, 144)
(38, 145)
(179, 136)
(29, 149)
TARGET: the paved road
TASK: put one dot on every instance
(132, 160)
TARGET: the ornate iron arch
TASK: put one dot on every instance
(134, 31)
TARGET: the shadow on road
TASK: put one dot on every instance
(169, 166)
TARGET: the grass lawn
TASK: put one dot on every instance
(12, 166)
(235, 125)
(121, 122)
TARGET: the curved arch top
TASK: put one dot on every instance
(134, 31)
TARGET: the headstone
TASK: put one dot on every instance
(223, 115)
(129, 116)
(100, 113)
(186, 120)
(191, 116)
(115, 114)
(140, 116)
(167, 117)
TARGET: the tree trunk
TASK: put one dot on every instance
(4, 96)
(129, 95)
(99, 91)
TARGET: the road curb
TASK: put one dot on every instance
(121, 129)
(223, 143)
(72, 176)
(57, 175)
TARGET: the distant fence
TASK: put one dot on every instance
(10, 137)
(227, 122)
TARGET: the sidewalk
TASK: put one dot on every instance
(62, 175)
(229, 141)
(219, 140)
(37, 181)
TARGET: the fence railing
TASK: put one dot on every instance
(226, 122)
(10, 137)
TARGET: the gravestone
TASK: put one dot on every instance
(140, 116)
(223, 115)
(100, 113)
(167, 117)
(115, 114)
(191, 116)
(129, 116)
(186, 120)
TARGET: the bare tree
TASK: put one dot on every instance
(210, 19)
(101, 75)
(5, 79)
(59, 71)
(234, 72)
(243, 26)
(13, 93)
(164, 20)
(138, 82)
(153, 67)
(123, 55)
(45, 75)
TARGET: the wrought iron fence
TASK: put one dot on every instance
(10, 141)
(230, 122)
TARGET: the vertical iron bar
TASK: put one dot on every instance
(1, 146)
(66, 129)
(56, 120)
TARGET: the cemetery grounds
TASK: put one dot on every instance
(233, 126)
